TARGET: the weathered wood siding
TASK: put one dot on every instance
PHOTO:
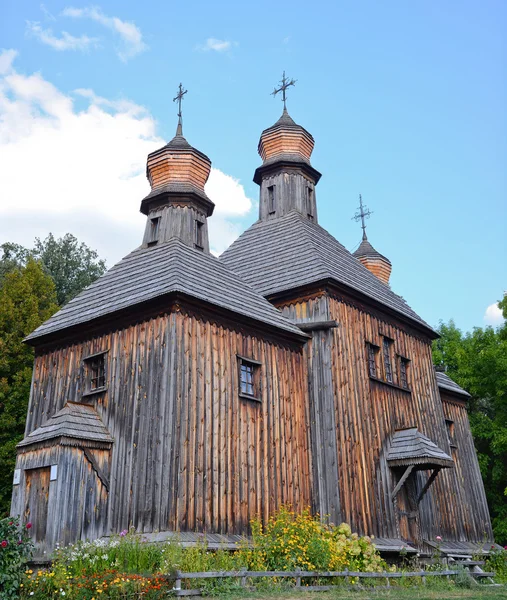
(76, 501)
(366, 414)
(475, 522)
(189, 453)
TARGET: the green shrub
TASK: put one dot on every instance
(497, 562)
(16, 548)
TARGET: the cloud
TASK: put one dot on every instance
(83, 170)
(493, 315)
(129, 34)
(49, 16)
(65, 42)
(216, 45)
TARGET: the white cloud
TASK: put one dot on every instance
(130, 34)
(216, 45)
(83, 170)
(65, 42)
(493, 315)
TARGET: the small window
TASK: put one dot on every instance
(450, 432)
(271, 199)
(199, 235)
(309, 202)
(388, 368)
(372, 360)
(404, 372)
(154, 231)
(95, 373)
(249, 378)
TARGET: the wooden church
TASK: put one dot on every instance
(186, 393)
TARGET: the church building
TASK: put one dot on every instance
(182, 392)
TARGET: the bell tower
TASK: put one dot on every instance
(286, 177)
(177, 206)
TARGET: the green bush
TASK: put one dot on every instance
(497, 562)
(15, 550)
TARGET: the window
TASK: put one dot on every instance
(199, 235)
(95, 373)
(154, 231)
(388, 369)
(372, 360)
(249, 378)
(271, 199)
(404, 372)
(309, 202)
(450, 432)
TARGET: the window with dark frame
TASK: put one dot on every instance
(404, 372)
(249, 378)
(372, 360)
(154, 231)
(309, 202)
(95, 372)
(449, 425)
(388, 368)
(271, 199)
(199, 235)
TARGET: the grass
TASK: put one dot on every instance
(477, 593)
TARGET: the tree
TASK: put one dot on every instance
(478, 362)
(72, 265)
(27, 299)
(13, 257)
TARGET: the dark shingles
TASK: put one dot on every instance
(446, 383)
(289, 252)
(148, 273)
(410, 446)
(78, 421)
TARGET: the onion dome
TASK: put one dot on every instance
(177, 170)
(285, 142)
(375, 262)
(285, 139)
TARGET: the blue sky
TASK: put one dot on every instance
(406, 102)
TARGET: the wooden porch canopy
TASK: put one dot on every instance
(411, 449)
(75, 424)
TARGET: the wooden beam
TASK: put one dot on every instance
(96, 467)
(404, 478)
(427, 485)
(316, 325)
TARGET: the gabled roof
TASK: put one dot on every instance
(446, 383)
(281, 254)
(77, 421)
(148, 273)
(411, 447)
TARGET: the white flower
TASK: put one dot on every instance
(31, 593)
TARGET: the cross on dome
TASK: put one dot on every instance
(363, 213)
(284, 84)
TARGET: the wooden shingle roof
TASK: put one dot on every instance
(446, 383)
(281, 254)
(411, 447)
(73, 421)
(148, 273)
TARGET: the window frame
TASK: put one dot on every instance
(101, 376)
(403, 370)
(387, 344)
(154, 231)
(372, 351)
(271, 200)
(199, 235)
(450, 430)
(255, 366)
(309, 202)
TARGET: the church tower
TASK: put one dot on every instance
(177, 206)
(286, 176)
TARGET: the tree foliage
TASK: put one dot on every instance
(478, 362)
(27, 299)
(72, 265)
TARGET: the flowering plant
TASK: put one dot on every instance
(16, 548)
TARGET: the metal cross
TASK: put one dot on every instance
(362, 213)
(285, 83)
(179, 98)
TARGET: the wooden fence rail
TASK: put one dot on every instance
(299, 574)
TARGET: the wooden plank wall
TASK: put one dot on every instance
(189, 454)
(367, 412)
(77, 500)
(475, 523)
